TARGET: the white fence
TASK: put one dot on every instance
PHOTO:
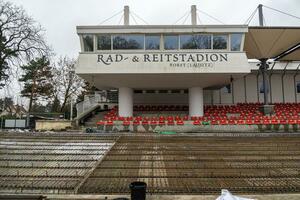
(15, 123)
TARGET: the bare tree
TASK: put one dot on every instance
(21, 39)
(67, 84)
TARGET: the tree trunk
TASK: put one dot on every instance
(31, 95)
(65, 99)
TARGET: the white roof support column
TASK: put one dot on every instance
(126, 15)
(260, 15)
(194, 15)
(196, 102)
(125, 102)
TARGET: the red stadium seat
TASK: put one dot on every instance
(249, 121)
(145, 122)
(109, 123)
(126, 123)
(180, 122)
(196, 122)
(101, 123)
(214, 122)
(274, 121)
(161, 122)
(292, 121)
(240, 122)
(136, 123)
(153, 122)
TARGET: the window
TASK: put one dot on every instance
(152, 42)
(163, 91)
(197, 41)
(128, 42)
(187, 42)
(88, 43)
(203, 41)
(138, 91)
(175, 91)
(104, 42)
(236, 40)
(261, 87)
(220, 42)
(150, 91)
(171, 42)
(298, 86)
(227, 89)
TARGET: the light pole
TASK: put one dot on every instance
(3, 109)
(71, 108)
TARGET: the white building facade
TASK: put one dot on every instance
(189, 65)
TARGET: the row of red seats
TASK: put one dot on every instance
(204, 118)
(199, 122)
(160, 108)
(127, 123)
(221, 113)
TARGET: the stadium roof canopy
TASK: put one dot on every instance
(280, 43)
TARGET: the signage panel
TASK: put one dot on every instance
(183, 62)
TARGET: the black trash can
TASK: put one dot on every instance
(138, 190)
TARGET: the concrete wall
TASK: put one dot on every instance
(281, 88)
(160, 99)
(245, 89)
(276, 88)
(47, 125)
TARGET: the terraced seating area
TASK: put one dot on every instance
(239, 114)
(69, 163)
(37, 163)
(199, 165)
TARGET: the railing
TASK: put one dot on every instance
(90, 101)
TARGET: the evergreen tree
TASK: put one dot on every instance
(36, 78)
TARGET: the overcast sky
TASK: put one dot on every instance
(60, 17)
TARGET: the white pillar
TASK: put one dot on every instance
(194, 15)
(126, 15)
(125, 102)
(260, 15)
(196, 101)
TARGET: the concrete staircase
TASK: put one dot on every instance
(92, 120)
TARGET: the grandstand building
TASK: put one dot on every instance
(191, 65)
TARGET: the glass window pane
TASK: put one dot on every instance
(171, 42)
(226, 89)
(138, 91)
(128, 42)
(203, 41)
(236, 40)
(88, 42)
(187, 42)
(220, 42)
(163, 91)
(298, 86)
(195, 41)
(151, 91)
(152, 41)
(175, 91)
(103, 42)
(262, 89)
